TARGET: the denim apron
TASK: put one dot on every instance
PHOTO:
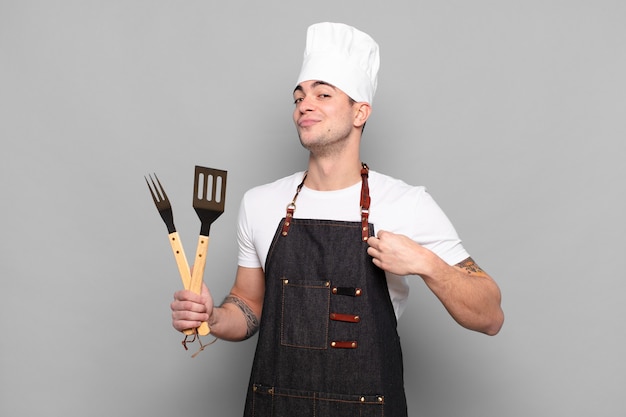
(328, 345)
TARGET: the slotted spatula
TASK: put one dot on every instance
(209, 193)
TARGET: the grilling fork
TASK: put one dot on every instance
(164, 207)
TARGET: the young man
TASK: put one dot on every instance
(326, 278)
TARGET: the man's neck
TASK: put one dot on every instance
(331, 174)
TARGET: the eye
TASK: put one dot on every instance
(298, 100)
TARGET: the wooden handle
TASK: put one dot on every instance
(199, 263)
(198, 273)
(181, 259)
(185, 275)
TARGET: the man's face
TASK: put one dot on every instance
(324, 116)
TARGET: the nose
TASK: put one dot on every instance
(305, 104)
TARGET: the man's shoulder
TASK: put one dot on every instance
(279, 186)
(383, 183)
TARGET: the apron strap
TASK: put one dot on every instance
(291, 207)
(365, 204)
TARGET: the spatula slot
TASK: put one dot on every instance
(210, 187)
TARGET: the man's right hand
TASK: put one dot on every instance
(189, 309)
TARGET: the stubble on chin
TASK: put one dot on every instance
(325, 145)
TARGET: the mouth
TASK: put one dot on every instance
(307, 122)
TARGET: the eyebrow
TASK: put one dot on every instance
(315, 84)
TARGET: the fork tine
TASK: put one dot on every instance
(161, 201)
(158, 192)
(161, 189)
(154, 197)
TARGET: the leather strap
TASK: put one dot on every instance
(365, 204)
(351, 344)
(291, 207)
(348, 318)
(349, 291)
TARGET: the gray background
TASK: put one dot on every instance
(511, 113)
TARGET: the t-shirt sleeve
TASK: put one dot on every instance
(436, 230)
(247, 256)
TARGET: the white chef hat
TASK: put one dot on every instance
(342, 56)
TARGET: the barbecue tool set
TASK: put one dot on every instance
(209, 192)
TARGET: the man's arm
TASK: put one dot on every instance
(467, 292)
(236, 319)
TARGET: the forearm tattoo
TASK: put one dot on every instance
(252, 322)
(470, 266)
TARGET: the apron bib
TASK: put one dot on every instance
(328, 345)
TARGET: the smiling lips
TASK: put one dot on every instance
(306, 122)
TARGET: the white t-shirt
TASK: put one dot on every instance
(395, 207)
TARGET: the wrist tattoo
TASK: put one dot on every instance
(470, 266)
(252, 323)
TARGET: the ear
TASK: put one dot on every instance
(362, 113)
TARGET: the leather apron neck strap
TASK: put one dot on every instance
(365, 204)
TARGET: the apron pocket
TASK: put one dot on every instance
(305, 312)
(281, 402)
